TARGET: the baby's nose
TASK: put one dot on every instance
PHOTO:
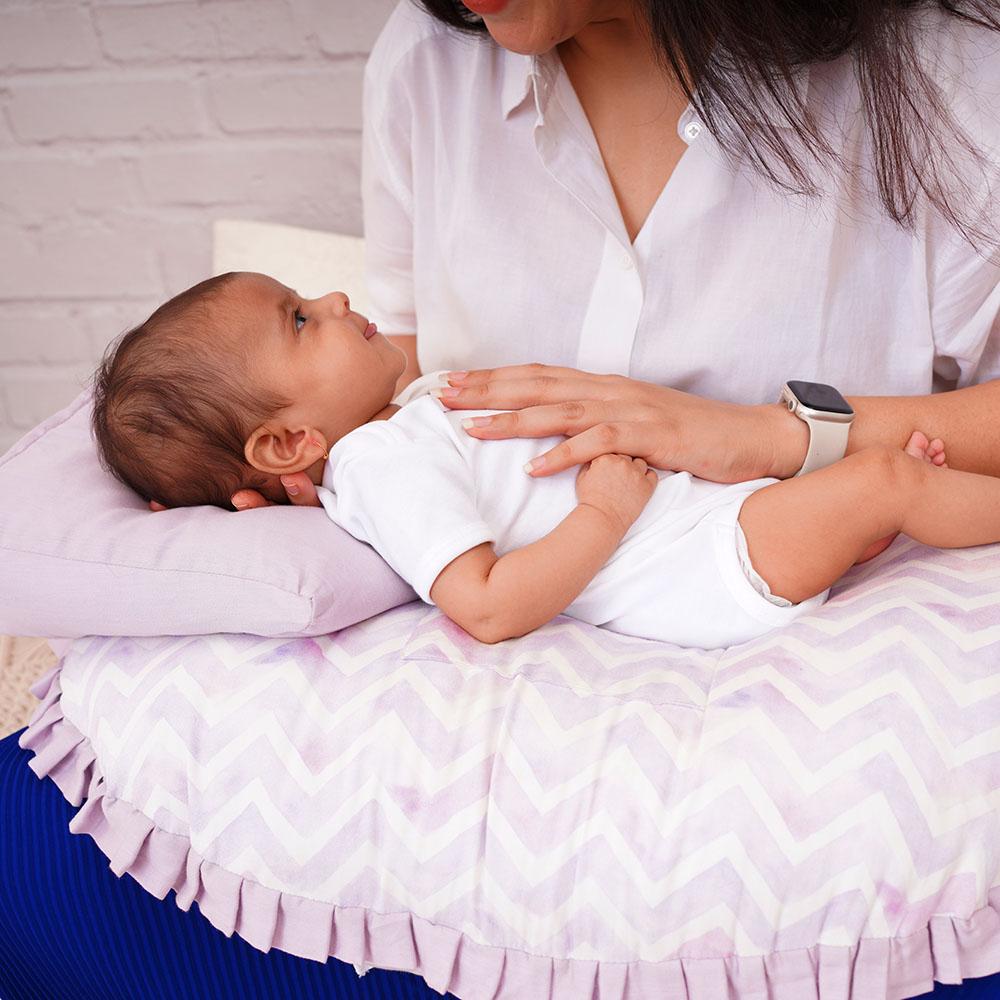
(341, 303)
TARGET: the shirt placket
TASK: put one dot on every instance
(616, 296)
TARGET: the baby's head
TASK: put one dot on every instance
(234, 383)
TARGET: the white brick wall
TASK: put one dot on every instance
(126, 128)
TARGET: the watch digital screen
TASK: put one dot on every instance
(818, 396)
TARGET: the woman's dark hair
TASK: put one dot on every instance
(735, 57)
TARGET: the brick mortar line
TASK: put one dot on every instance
(167, 70)
(72, 300)
(183, 144)
(112, 222)
(98, 149)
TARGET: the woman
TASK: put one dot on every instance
(672, 209)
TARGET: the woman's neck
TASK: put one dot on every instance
(616, 50)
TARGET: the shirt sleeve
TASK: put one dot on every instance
(963, 279)
(412, 499)
(964, 291)
(386, 179)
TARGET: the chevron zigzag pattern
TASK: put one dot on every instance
(588, 797)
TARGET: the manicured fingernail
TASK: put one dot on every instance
(240, 504)
(476, 422)
(455, 376)
(292, 491)
(535, 463)
(446, 391)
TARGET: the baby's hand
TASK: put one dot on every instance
(618, 485)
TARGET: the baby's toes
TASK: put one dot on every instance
(936, 453)
(917, 445)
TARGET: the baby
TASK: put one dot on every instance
(239, 380)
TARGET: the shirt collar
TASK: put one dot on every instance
(517, 73)
(523, 72)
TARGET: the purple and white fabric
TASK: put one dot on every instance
(813, 814)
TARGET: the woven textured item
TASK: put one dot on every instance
(22, 661)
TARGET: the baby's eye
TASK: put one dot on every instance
(298, 317)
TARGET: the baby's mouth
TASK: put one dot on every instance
(370, 331)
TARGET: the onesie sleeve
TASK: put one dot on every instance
(412, 499)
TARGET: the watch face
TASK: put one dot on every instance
(818, 396)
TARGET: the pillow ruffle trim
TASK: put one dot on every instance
(947, 950)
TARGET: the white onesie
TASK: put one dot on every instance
(422, 491)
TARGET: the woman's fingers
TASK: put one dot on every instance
(621, 437)
(298, 487)
(514, 392)
(476, 376)
(301, 490)
(570, 417)
(248, 499)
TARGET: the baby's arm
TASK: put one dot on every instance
(495, 598)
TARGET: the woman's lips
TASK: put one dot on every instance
(370, 331)
(485, 6)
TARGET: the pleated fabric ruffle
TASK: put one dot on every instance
(947, 950)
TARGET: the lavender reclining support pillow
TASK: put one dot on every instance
(81, 554)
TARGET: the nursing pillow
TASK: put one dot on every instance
(573, 813)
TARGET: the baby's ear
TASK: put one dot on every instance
(278, 450)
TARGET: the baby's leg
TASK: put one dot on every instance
(919, 447)
(803, 534)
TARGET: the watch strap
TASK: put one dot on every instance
(827, 443)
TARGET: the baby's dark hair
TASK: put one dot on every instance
(173, 408)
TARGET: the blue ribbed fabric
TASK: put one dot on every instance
(71, 930)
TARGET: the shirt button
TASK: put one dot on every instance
(692, 130)
(627, 262)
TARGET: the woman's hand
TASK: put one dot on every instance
(298, 486)
(604, 414)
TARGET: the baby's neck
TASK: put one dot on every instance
(315, 471)
(386, 413)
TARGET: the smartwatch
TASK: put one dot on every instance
(828, 416)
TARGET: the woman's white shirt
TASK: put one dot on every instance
(493, 233)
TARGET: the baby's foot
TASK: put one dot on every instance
(930, 451)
